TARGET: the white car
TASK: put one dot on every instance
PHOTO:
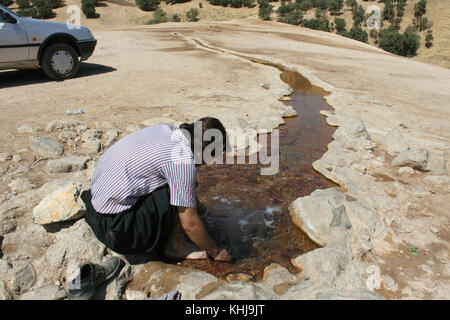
(56, 47)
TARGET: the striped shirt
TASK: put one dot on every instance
(140, 163)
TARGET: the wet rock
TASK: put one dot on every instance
(66, 135)
(68, 164)
(24, 278)
(46, 147)
(414, 158)
(237, 291)
(277, 280)
(314, 214)
(50, 292)
(156, 121)
(92, 146)
(133, 128)
(239, 277)
(4, 156)
(394, 142)
(63, 204)
(21, 185)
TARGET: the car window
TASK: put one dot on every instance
(1, 16)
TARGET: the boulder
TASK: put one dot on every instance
(92, 146)
(68, 164)
(414, 158)
(46, 146)
(394, 142)
(24, 278)
(50, 292)
(63, 204)
(66, 135)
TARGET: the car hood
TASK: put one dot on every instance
(79, 32)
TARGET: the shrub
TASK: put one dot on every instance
(158, 17)
(265, 9)
(335, 6)
(421, 23)
(429, 39)
(147, 5)
(405, 44)
(388, 11)
(23, 4)
(192, 15)
(340, 25)
(358, 34)
(305, 5)
(200, 5)
(286, 8)
(88, 8)
(6, 3)
(358, 16)
(28, 12)
(44, 9)
(294, 17)
(175, 18)
(420, 8)
(176, 1)
(316, 24)
(321, 4)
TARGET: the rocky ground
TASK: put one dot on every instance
(384, 233)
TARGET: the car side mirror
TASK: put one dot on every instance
(8, 18)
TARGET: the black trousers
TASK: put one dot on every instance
(140, 229)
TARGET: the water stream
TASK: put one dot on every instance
(246, 212)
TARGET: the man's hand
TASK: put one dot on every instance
(223, 256)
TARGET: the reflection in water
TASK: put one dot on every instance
(247, 213)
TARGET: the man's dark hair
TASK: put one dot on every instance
(206, 124)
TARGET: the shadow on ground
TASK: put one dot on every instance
(17, 78)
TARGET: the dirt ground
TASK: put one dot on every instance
(153, 71)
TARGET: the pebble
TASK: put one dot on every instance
(434, 230)
(16, 158)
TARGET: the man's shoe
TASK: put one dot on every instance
(90, 277)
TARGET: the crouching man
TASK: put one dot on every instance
(142, 197)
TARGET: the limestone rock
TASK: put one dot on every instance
(156, 121)
(133, 128)
(394, 142)
(277, 280)
(68, 164)
(46, 147)
(63, 204)
(16, 158)
(91, 134)
(21, 185)
(66, 135)
(73, 247)
(4, 156)
(406, 170)
(92, 146)
(414, 158)
(436, 164)
(60, 124)
(105, 125)
(81, 128)
(355, 128)
(4, 294)
(237, 291)
(135, 295)
(110, 136)
(50, 292)
(24, 278)
(26, 129)
(4, 266)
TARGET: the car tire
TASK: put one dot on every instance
(60, 61)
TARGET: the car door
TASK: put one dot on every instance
(13, 41)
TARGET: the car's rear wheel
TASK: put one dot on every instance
(60, 61)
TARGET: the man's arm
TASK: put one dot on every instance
(195, 229)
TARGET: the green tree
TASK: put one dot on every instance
(88, 8)
(147, 5)
(158, 17)
(335, 6)
(265, 9)
(6, 3)
(340, 25)
(420, 8)
(192, 15)
(304, 5)
(23, 4)
(405, 44)
(295, 18)
(389, 11)
(429, 39)
(358, 16)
